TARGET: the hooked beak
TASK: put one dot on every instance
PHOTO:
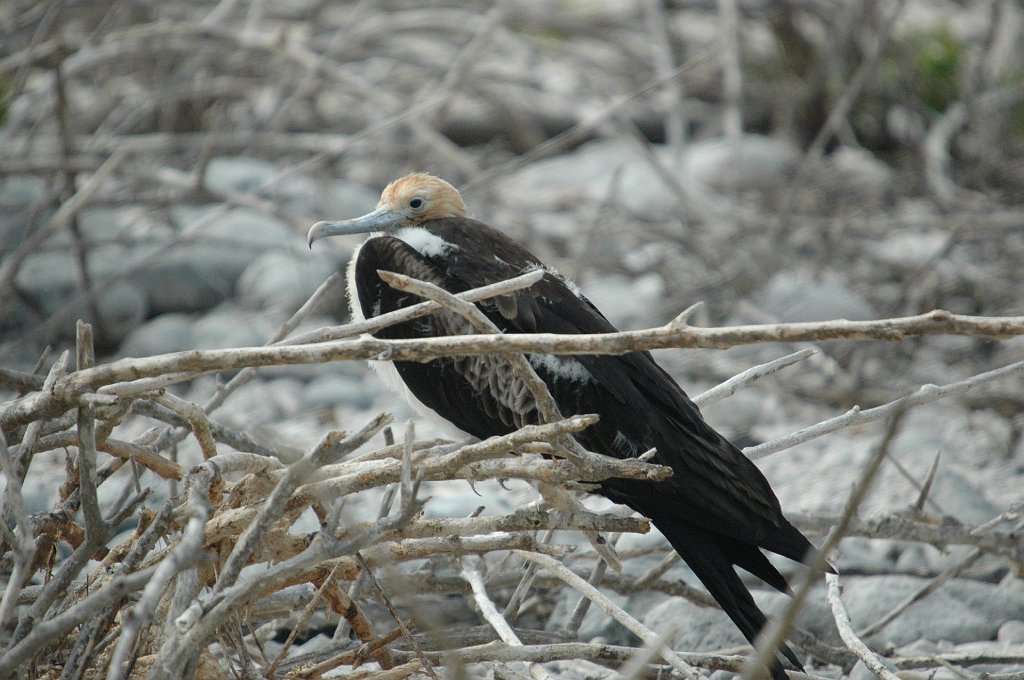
(380, 219)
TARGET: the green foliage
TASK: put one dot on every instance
(936, 59)
(5, 89)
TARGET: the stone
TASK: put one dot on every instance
(981, 608)
(282, 280)
(230, 326)
(1011, 632)
(343, 200)
(614, 167)
(628, 302)
(794, 296)
(333, 390)
(910, 249)
(242, 174)
(160, 335)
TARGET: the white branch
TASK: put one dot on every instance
(611, 609)
(853, 643)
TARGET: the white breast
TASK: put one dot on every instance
(386, 369)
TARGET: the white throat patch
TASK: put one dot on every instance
(425, 243)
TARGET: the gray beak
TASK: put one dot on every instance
(380, 219)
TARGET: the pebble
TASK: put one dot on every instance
(242, 174)
(980, 609)
(1011, 632)
(231, 326)
(160, 335)
(795, 296)
(344, 200)
(280, 280)
(613, 167)
(336, 390)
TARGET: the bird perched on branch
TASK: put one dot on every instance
(717, 510)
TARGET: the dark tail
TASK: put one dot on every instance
(712, 558)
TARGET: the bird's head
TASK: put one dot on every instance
(405, 202)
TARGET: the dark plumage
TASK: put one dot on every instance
(717, 510)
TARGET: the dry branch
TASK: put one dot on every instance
(853, 642)
(68, 390)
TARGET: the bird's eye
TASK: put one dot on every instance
(416, 202)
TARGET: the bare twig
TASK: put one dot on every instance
(737, 382)
(926, 394)
(94, 525)
(333, 444)
(853, 642)
(771, 638)
(48, 632)
(195, 363)
(23, 542)
(182, 557)
(557, 569)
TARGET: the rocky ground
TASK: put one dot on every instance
(221, 132)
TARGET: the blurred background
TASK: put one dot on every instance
(779, 160)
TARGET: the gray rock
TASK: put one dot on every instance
(596, 624)
(230, 326)
(48, 279)
(794, 296)
(264, 402)
(910, 249)
(864, 554)
(1011, 632)
(242, 174)
(160, 335)
(860, 172)
(238, 173)
(240, 228)
(980, 609)
(192, 276)
(197, 276)
(344, 199)
(614, 167)
(122, 308)
(283, 280)
(330, 391)
(628, 302)
(18, 197)
(756, 162)
(578, 669)
(697, 628)
(97, 225)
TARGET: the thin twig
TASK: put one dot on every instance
(853, 642)
(558, 569)
(737, 382)
(471, 572)
(926, 394)
(771, 638)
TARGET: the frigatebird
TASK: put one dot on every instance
(717, 510)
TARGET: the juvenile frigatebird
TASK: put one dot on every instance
(717, 510)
